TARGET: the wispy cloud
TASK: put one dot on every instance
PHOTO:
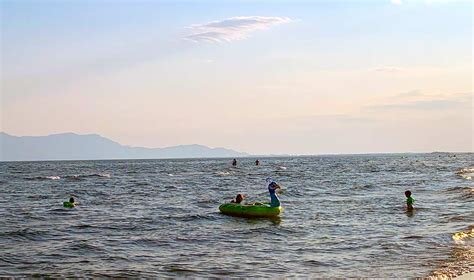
(231, 29)
(427, 102)
(396, 2)
(408, 94)
(387, 69)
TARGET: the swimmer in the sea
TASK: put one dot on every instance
(410, 200)
(238, 199)
(71, 203)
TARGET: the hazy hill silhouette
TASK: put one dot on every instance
(71, 146)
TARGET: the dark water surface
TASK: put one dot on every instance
(344, 217)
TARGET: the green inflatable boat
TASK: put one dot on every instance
(250, 211)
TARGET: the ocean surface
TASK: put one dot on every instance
(344, 217)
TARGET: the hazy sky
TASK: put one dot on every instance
(299, 77)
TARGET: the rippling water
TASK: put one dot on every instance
(344, 217)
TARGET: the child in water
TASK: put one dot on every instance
(69, 204)
(410, 200)
(238, 199)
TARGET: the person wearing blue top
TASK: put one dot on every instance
(272, 187)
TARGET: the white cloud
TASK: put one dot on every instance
(389, 69)
(396, 2)
(231, 29)
(416, 100)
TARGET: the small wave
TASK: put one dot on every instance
(41, 178)
(466, 173)
(466, 192)
(171, 175)
(223, 173)
(465, 170)
(74, 177)
(362, 187)
(85, 176)
(413, 237)
(24, 234)
(464, 235)
(85, 246)
(103, 175)
(179, 269)
(458, 189)
(82, 226)
(282, 167)
(192, 217)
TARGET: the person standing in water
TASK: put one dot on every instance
(272, 187)
(257, 162)
(410, 201)
(234, 162)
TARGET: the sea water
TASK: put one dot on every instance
(343, 216)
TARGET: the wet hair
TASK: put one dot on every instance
(239, 198)
(407, 193)
(71, 199)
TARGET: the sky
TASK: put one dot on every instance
(263, 77)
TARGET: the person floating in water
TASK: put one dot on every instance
(410, 200)
(69, 204)
(257, 162)
(272, 186)
(238, 199)
(234, 162)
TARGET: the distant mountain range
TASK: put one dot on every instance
(71, 146)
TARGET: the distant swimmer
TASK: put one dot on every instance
(257, 162)
(234, 162)
(69, 204)
(410, 201)
(238, 199)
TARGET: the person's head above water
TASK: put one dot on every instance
(407, 193)
(71, 199)
(238, 198)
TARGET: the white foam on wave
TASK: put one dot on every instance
(463, 235)
(465, 170)
(53, 177)
(467, 173)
